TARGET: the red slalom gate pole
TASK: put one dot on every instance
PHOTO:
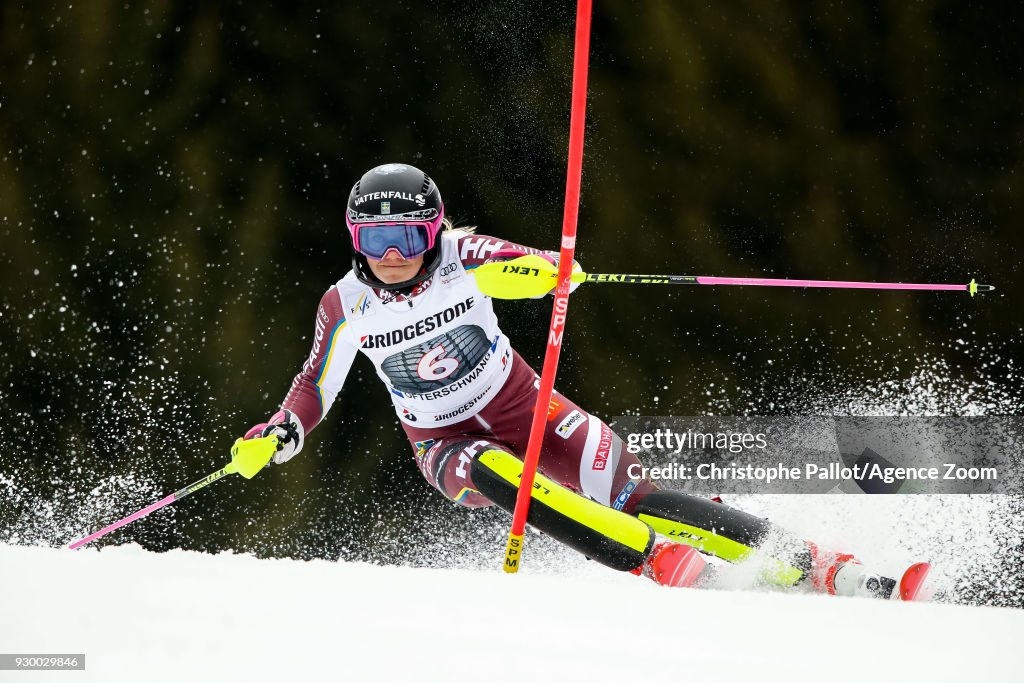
(513, 552)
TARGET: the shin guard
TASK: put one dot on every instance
(717, 529)
(606, 535)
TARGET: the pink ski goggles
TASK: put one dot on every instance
(408, 238)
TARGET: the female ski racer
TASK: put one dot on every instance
(466, 398)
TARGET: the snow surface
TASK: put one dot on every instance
(141, 616)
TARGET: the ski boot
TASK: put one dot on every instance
(673, 564)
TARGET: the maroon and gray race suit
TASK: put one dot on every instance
(456, 383)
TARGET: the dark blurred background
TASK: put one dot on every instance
(172, 183)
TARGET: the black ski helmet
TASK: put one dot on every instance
(395, 193)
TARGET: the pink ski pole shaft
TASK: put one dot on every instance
(971, 287)
(191, 488)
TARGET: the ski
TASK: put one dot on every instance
(912, 581)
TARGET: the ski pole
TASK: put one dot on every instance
(559, 312)
(532, 276)
(248, 457)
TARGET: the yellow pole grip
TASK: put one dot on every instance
(249, 456)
